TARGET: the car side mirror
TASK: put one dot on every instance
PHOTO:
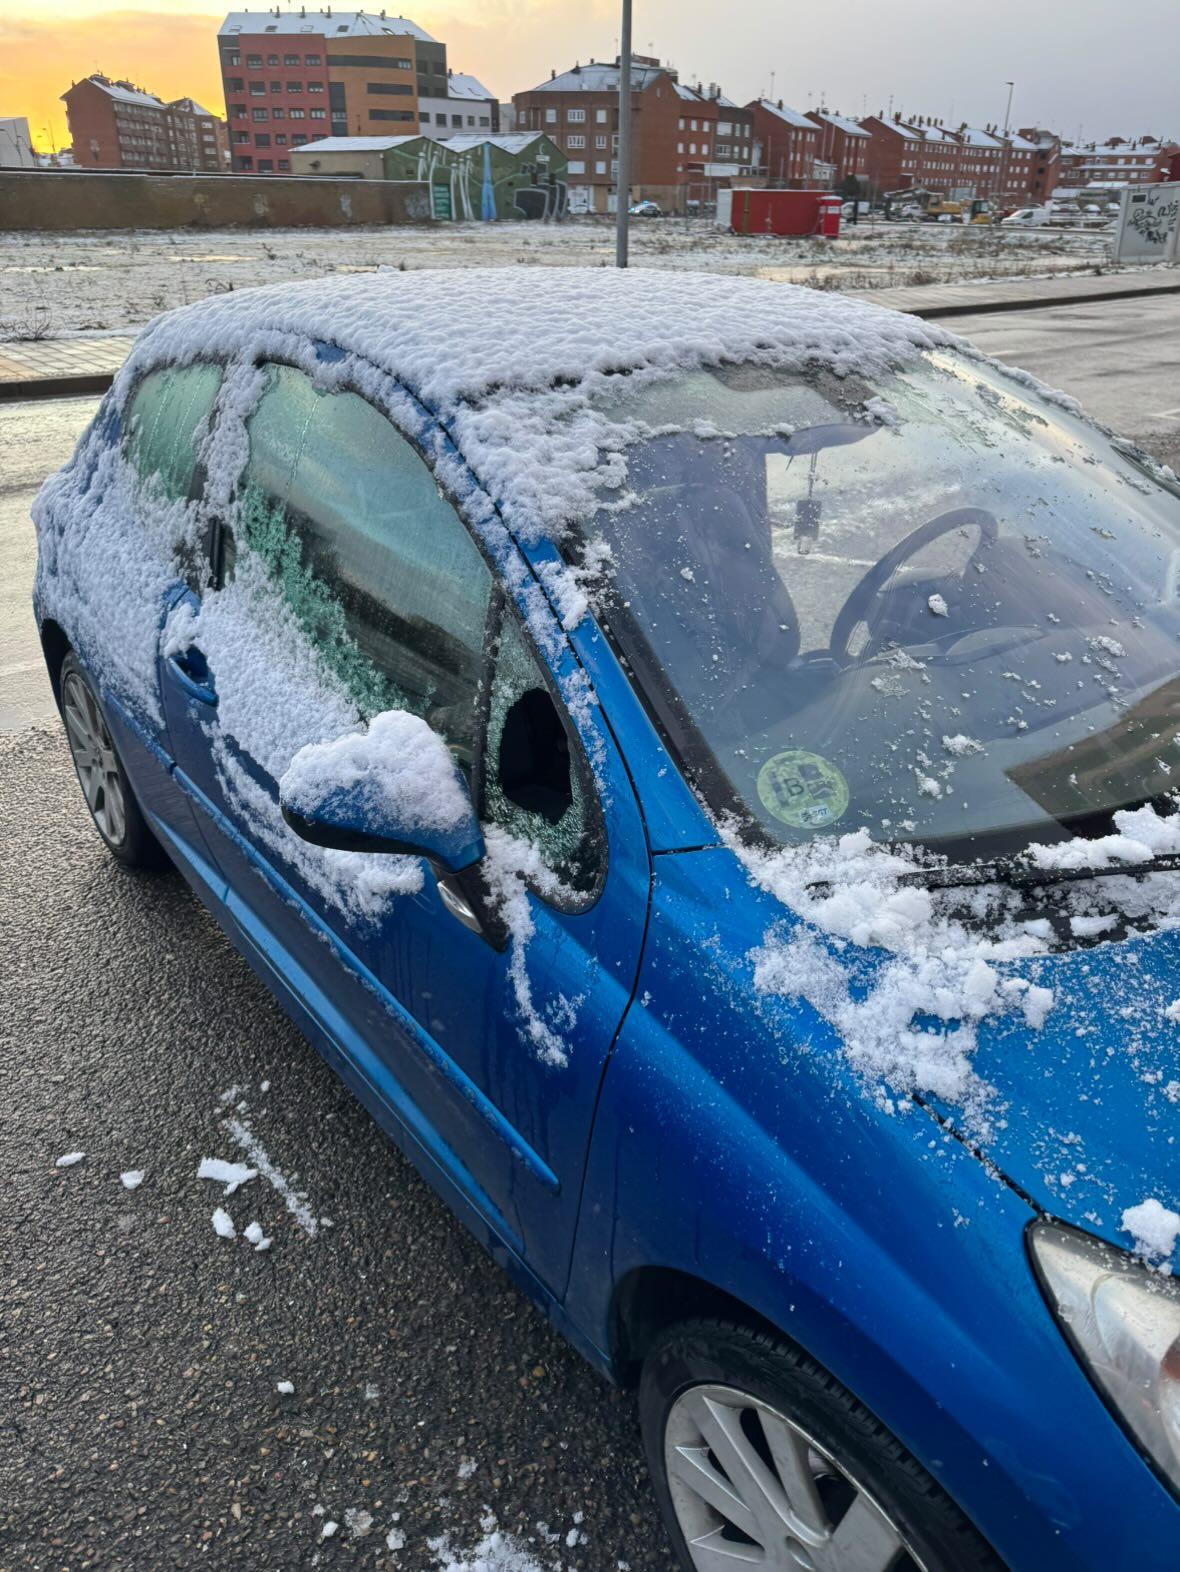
(394, 787)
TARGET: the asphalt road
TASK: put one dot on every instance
(140, 1421)
(141, 1425)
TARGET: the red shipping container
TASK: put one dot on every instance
(755, 211)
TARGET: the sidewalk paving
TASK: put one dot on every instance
(53, 367)
(40, 368)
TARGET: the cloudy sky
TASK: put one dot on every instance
(1077, 64)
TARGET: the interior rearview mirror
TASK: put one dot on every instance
(394, 787)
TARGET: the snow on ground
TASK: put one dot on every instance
(231, 1175)
(55, 285)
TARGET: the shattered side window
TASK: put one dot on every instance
(166, 421)
(536, 785)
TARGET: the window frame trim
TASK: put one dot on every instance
(502, 599)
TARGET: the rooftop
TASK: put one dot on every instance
(452, 335)
(122, 92)
(598, 77)
(460, 85)
(507, 142)
(355, 144)
(789, 116)
(841, 122)
(322, 24)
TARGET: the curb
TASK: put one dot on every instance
(99, 381)
(56, 387)
(1088, 297)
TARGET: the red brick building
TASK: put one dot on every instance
(1045, 163)
(967, 162)
(685, 141)
(292, 77)
(116, 125)
(1116, 162)
(842, 144)
(785, 145)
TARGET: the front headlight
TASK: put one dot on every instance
(1123, 1321)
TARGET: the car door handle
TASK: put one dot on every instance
(190, 670)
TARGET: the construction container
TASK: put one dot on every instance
(756, 211)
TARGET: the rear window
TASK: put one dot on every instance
(168, 417)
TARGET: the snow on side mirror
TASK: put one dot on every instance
(391, 788)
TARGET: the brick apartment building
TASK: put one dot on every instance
(1116, 162)
(786, 146)
(842, 146)
(966, 162)
(685, 141)
(116, 125)
(292, 77)
(1045, 162)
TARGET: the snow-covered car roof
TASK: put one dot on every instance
(451, 335)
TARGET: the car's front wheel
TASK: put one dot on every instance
(760, 1458)
(101, 775)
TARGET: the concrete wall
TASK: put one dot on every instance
(47, 199)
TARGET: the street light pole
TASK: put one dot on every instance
(623, 177)
(1006, 158)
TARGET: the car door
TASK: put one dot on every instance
(164, 427)
(341, 551)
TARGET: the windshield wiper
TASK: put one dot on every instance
(1026, 876)
(1016, 875)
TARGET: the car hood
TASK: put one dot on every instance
(1086, 1117)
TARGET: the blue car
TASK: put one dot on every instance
(697, 757)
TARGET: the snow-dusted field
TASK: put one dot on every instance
(95, 282)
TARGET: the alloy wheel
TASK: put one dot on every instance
(750, 1488)
(94, 758)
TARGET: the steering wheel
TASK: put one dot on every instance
(855, 609)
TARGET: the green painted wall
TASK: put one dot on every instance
(483, 181)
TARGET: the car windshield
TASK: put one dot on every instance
(939, 606)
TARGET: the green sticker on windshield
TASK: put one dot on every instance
(802, 789)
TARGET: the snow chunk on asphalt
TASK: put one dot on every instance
(132, 1179)
(69, 1159)
(329, 1528)
(253, 1232)
(231, 1175)
(223, 1224)
(496, 1552)
(285, 1387)
(938, 606)
(1154, 1228)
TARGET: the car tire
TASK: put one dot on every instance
(107, 791)
(718, 1400)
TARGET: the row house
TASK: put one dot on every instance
(685, 140)
(786, 145)
(967, 162)
(842, 146)
(1117, 162)
(1044, 163)
(292, 77)
(116, 125)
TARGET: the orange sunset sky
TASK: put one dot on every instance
(170, 47)
(854, 56)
